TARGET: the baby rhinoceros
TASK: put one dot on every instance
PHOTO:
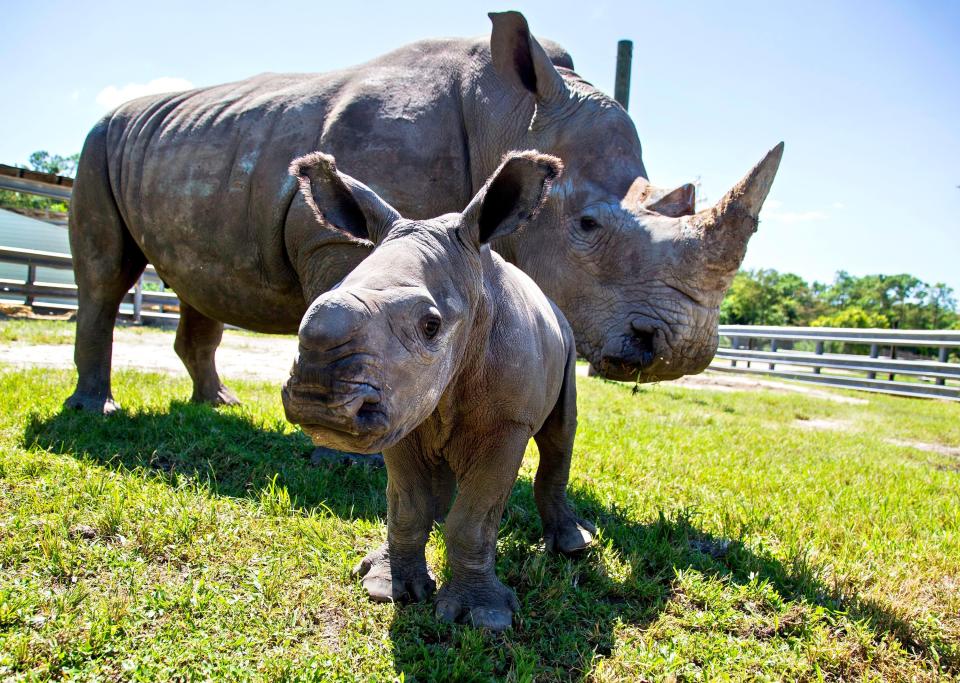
(449, 359)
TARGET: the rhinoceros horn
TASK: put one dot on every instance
(726, 227)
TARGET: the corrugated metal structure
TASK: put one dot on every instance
(22, 232)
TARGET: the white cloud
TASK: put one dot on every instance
(113, 96)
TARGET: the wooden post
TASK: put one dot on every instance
(893, 356)
(773, 349)
(621, 84)
(734, 344)
(819, 351)
(942, 357)
(138, 299)
(874, 352)
(31, 278)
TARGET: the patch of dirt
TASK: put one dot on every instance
(938, 448)
(822, 423)
(264, 358)
(718, 381)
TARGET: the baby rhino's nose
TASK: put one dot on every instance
(332, 321)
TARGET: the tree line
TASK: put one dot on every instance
(768, 297)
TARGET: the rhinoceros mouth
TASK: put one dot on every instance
(358, 414)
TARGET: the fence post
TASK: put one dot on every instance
(819, 351)
(773, 349)
(31, 278)
(942, 357)
(893, 356)
(734, 344)
(874, 352)
(621, 83)
(138, 299)
(163, 288)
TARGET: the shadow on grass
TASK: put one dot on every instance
(569, 608)
(237, 456)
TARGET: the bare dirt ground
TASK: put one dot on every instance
(269, 358)
(240, 355)
(718, 381)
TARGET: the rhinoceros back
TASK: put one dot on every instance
(200, 177)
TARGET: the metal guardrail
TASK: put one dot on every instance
(146, 304)
(924, 377)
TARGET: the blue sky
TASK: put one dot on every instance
(866, 96)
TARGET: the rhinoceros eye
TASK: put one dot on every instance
(588, 224)
(430, 325)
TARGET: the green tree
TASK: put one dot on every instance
(30, 204)
(45, 162)
(767, 297)
(851, 316)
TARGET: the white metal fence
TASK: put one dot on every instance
(902, 362)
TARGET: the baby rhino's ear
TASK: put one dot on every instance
(340, 201)
(512, 196)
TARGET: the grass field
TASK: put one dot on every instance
(739, 539)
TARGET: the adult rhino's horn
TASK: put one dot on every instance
(729, 224)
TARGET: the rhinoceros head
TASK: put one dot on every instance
(377, 352)
(638, 274)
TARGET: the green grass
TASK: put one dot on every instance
(175, 540)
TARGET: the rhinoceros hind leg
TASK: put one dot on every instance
(563, 531)
(197, 340)
(106, 263)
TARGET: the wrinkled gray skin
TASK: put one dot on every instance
(195, 183)
(437, 351)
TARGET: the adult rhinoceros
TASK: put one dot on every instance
(196, 184)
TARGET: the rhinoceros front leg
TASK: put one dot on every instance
(563, 531)
(474, 594)
(197, 340)
(397, 571)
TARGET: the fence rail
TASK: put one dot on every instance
(921, 376)
(143, 303)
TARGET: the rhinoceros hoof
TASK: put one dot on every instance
(570, 537)
(92, 404)
(488, 605)
(385, 583)
(222, 397)
(323, 456)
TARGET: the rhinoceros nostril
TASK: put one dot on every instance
(644, 338)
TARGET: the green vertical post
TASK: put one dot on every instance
(621, 84)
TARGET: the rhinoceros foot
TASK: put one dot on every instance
(488, 604)
(323, 456)
(385, 582)
(102, 405)
(570, 536)
(221, 397)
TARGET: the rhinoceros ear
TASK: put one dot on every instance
(340, 201)
(512, 196)
(521, 60)
(679, 202)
